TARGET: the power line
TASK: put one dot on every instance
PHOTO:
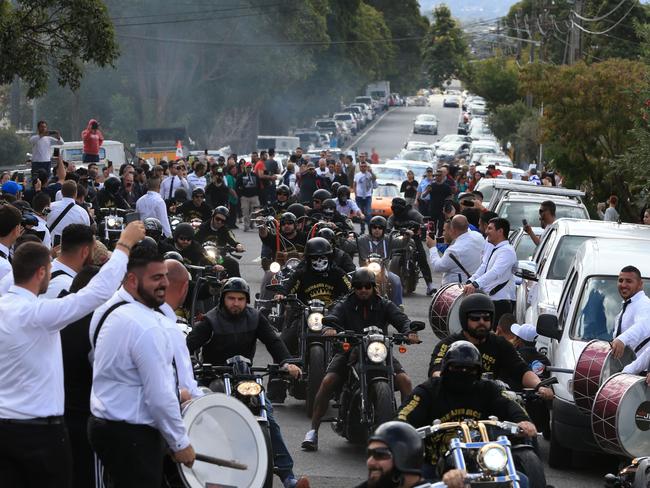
(602, 17)
(606, 30)
(196, 12)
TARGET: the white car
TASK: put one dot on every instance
(423, 155)
(518, 206)
(425, 124)
(587, 309)
(366, 109)
(417, 145)
(389, 175)
(418, 168)
(487, 186)
(348, 119)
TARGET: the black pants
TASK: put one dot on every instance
(423, 262)
(34, 456)
(501, 307)
(132, 455)
(83, 468)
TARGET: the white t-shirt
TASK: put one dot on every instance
(42, 147)
(363, 184)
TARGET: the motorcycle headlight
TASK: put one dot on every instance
(315, 322)
(249, 388)
(493, 458)
(113, 222)
(377, 352)
(375, 267)
(275, 267)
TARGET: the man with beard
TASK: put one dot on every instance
(458, 394)
(233, 328)
(395, 454)
(77, 243)
(289, 240)
(35, 449)
(134, 398)
(546, 218)
(499, 356)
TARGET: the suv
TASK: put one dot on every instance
(588, 306)
(487, 186)
(503, 187)
(517, 206)
(348, 119)
(332, 127)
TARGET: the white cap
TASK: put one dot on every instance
(526, 332)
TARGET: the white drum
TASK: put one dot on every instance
(222, 427)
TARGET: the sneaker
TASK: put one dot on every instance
(431, 289)
(311, 441)
(292, 482)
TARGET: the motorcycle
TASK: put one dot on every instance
(113, 224)
(272, 309)
(377, 265)
(403, 260)
(473, 449)
(635, 475)
(245, 383)
(367, 396)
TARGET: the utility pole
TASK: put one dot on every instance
(574, 43)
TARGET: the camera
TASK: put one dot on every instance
(94, 126)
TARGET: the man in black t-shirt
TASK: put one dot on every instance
(217, 191)
(438, 192)
(409, 188)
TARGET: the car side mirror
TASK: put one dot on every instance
(526, 270)
(548, 326)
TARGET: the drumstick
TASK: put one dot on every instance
(220, 462)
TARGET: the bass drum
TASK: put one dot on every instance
(620, 417)
(443, 311)
(221, 426)
(596, 364)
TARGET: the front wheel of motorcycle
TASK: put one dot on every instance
(382, 399)
(316, 373)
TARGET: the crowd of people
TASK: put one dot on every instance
(94, 365)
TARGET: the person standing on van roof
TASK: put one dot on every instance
(93, 139)
(42, 143)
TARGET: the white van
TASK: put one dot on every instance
(110, 150)
(587, 309)
(282, 144)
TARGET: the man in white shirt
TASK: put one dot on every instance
(494, 276)
(196, 179)
(462, 258)
(10, 229)
(632, 324)
(152, 205)
(179, 283)
(364, 182)
(42, 148)
(173, 182)
(66, 212)
(77, 244)
(134, 398)
(35, 450)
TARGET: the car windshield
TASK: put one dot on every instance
(326, 123)
(525, 248)
(563, 256)
(388, 173)
(599, 305)
(515, 212)
(386, 191)
(414, 156)
(426, 118)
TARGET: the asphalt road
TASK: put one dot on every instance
(338, 463)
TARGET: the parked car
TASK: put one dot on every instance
(418, 168)
(417, 145)
(503, 187)
(331, 127)
(382, 198)
(366, 110)
(425, 124)
(587, 309)
(518, 206)
(348, 119)
(451, 101)
(423, 155)
(453, 138)
(524, 245)
(389, 174)
(359, 116)
(452, 150)
(487, 187)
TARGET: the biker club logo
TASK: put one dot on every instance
(642, 416)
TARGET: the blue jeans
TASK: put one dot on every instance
(365, 205)
(396, 288)
(282, 460)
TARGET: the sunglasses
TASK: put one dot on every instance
(186, 239)
(475, 317)
(223, 221)
(363, 287)
(199, 196)
(457, 368)
(376, 227)
(380, 453)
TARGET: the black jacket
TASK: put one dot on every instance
(223, 336)
(190, 211)
(343, 260)
(431, 400)
(354, 314)
(309, 285)
(411, 215)
(222, 237)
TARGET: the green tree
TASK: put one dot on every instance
(38, 35)
(12, 148)
(445, 48)
(495, 79)
(505, 122)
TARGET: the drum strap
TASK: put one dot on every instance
(459, 264)
(642, 345)
(103, 319)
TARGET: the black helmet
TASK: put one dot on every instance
(343, 191)
(112, 185)
(378, 221)
(180, 195)
(404, 443)
(153, 227)
(221, 210)
(328, 234)
(334, 187)
(462, 353)
(398, 204)
(477, 302)
(318, 246)
(363, 276)
(329, 207)
(173, 255)
(321, 194)
(235, 284)
(283, 190)
(198, 191)
(149, 241)
(288, 218)
(183, 230)
(297, 209)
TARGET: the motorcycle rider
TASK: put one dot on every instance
(476, 313)
(340, 258)
(182, 241)
(405, 216)
(317, 199)
(196, 208)
(232, 328)
(282, 200)
(288, 240)
(395, 455)
(109, 197)
(345, 206)
(360, 309)
(215, 230)
(458, 394)
(376, 242)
